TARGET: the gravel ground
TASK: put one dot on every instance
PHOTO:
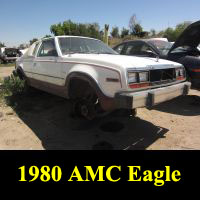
(42, 121)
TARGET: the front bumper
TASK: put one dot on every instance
(149, 98)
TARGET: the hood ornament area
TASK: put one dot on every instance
(157, 58)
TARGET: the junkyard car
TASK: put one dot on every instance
(185, 50)
(96, 78)
(9, 54)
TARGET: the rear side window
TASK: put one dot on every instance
(47, 48)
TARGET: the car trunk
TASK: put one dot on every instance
(190, 37)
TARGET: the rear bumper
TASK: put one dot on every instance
(149, 98)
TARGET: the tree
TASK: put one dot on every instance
(160, 34)
(115, 32)
(180, 28)
(124, 32)
(134, 26)
(152, 32)
(172, 34)
(33, 40)
(132, 23)
(22, 46)
(78, 29)
(47, 36)
(138, 30)
(169, 33)
(57, 29)
(2, 44)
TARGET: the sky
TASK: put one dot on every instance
(23, 20)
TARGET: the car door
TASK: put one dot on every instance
(46, 66)
(28, 59)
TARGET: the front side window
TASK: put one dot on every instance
(47, 48)
(83, 45)
(119, 48)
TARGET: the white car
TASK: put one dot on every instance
(96, 78)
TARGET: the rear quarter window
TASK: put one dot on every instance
(35, 49)
(29, 52)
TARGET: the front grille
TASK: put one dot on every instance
(161, 76)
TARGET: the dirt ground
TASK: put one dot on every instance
(43, 121)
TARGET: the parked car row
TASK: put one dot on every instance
(96, 78)
(185, 50)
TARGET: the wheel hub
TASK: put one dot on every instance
(84, 110)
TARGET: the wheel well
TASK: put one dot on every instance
(77, 86)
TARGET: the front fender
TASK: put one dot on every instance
(108, 80)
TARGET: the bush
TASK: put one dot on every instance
(12, 86)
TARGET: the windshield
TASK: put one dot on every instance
(162, 46)
(83, 45)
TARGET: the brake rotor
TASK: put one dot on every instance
(84, 108)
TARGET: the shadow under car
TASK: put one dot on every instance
(48, 116)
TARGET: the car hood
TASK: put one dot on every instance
(121, 61)
(189, 37)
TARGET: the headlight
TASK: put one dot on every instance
(143, 76)
(138, 77)
(132, 77)
(180, 72)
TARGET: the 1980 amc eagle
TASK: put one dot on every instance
(96, 78)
